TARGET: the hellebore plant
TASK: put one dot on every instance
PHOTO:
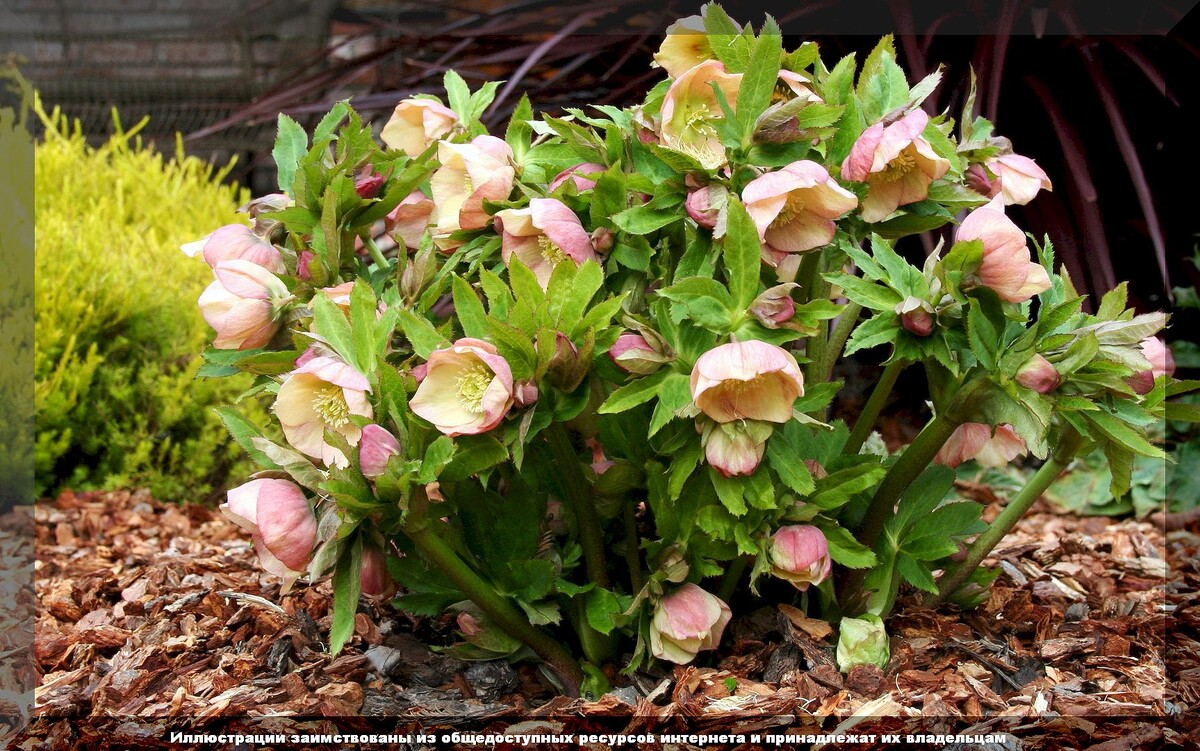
(570, 386)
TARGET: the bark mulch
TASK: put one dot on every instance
(148, 612)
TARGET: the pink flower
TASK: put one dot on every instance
(416, 123)
(367, 184)
(800, 555)
(916, 316)
(793, 85)
(322, 394)
(702, 207)
(236, 242)
(245, 305)
(1020, 178)
(735, 449)
(687, 622)
(543, 236)
(583, 175)
(281, 522)
(982, 181)
(1039, 374)
(896, 162)
(632, 353)
(467, 389)
(1161, 363)
(749, 380)
(409, 220)
(690, 107)
(794, 208)
(375, 449)
(471, 173)
(374, 579)
(973, 440)
(1006, 267)
(775, 307)
(685, 46)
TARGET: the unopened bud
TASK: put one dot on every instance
(525, 393)
(916, 316)
(862, 641)
(603, 239)
(375, 448)
(978, 180)
(775, 306)
(367, 185)
(633, 353)
(374, 580)
(1039, 374)
(704, 205)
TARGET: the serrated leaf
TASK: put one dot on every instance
(632, 394)
(741, 254)
(346, 589)
(291, 144)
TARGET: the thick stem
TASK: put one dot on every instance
(733, 576)
(870, 413)
(633, 557)
(575, 485)
(375, 252)
(826, 355)
(498, 609)
(1068, 446)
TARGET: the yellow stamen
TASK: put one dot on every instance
(330, 403)
(898, 167)
(791, 209)
(553, 254)
(472, 383)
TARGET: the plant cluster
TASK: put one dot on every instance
(571, 384)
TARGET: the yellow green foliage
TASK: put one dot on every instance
(118, 331)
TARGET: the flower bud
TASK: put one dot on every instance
(304, 264)
(800, 555)
(816, 469)
(632, 353)
(603, 239)
(736, 448)
(1019, 178)
(583, 175)
(281, 522)
(266, 204)
(916, 316)
(367, 184)
(978, 180)
(704, 205)
(566, 368)
(1161, 363)
(236, 242)
(1039, 374)
(416, 123)
(862, 641)
(525, 393)
(245, 305)
(775, 306)
(374, 579)
(687, 622)
(467, 625)
(481, 632)
(376, 447)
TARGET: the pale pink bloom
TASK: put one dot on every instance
(794, 208)
(542, 236)
(271, 202)
(916, 316)
(800, 555)
(687, 622)
(632, 353)
(236, 242)
(1039, 374)
(1020, 178)
(700, 207)
(281, 522)
(973, 440)
(409, 220)
(322, 394)
(377, 446)
(583, 175)
(245, 305)
(896, 162)
(690, 107)
(749, 380)
(416, 123)
(471, 173)
(340, 295)
(374, 579)
(795, 84)
(685, 46)
(1006, 267)
(735, 449)
(1161, 363)
(467, 389)
(775, 307)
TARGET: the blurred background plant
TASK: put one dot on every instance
(115, 394)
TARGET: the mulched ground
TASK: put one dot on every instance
(148, 611)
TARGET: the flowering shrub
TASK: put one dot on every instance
(572, 384)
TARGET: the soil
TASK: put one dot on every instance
(149, 612)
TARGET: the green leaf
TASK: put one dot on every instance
(329, 123)
(468, 309)
(420, 333)
(458, 95)
(985, 326)
(673, 394)
(762, 74)
(915, 573)
(866, 293)
(843, 548)
(346, 589)
(632, 394)
(644, 219)
(244, 432)
(728, 43)
(473, 455)
(437, 456)
(729, 491)
(1118, 432)
(742, 254)
(291, 144)
(603, 610)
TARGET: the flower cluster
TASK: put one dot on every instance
(577, 379)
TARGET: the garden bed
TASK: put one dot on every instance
(149, 611)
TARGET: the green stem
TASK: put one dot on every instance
(1068, 446)
(633, 557)
(870, 412)
(376, 253)
(733, 576)
(575, 485)
(826, 352)
(501, 611)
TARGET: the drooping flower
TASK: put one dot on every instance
(322, 394)
(582, 175)
(1020, 178)
(633, 353)
(467, 388)
(281, 522)
(1006, 267)
(377, 446)
(1039, 374)
(690, 108)
(542, 236)
(749, 380)
(245, 305)
(416, 123)
(862, 641)
(794, 208)
(374, 579)
(471, 173)
(1161, 363)
(800, 555)
(735, 449)
(409, 220)
(896, 162)
(974, 440)
(685, 46)
(687, 622)
(236, 242)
